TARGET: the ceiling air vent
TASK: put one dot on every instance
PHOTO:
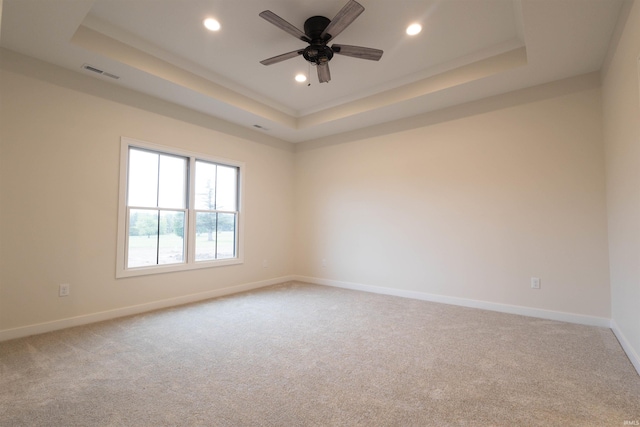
(99, 71)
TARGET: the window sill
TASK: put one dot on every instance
(160, 269)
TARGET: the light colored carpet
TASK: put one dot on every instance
(305, 355)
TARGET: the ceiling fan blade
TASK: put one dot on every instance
(280, 58)
(342, 20)
(357, 51)
(324, 75)
(284, 25)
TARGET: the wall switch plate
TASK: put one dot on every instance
(535, 283)
(324, 262)
(265, 263)
(63, 290)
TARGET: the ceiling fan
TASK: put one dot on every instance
(318, 31)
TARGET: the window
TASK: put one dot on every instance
(178, 210)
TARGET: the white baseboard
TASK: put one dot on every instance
(40, 328)
(464, 302)
(631, 353)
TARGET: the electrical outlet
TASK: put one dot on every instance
(535, 283)
(324, 262)
(64, 290)
(265, 263)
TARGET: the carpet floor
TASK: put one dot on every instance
(303, 355)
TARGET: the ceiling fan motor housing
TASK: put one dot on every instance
(317, 52)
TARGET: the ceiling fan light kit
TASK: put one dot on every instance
(318, 31)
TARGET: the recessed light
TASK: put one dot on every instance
(211, 24)
(414, 29)
(301, 78)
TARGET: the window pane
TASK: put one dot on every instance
(205, 185)
(171, 240)
(226, 247)
(205, 236)
(143, 238)
(227, 188)
(173, 178)
(143, 179)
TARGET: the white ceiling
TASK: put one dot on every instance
(468, 49)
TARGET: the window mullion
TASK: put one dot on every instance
(158, 205)
(191, 234)
(158, 240)
(216, 245)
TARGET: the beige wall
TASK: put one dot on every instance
(469, 208)
(469, 205)
(622, 142)
(59, 196)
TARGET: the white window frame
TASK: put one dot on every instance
(190, 227)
